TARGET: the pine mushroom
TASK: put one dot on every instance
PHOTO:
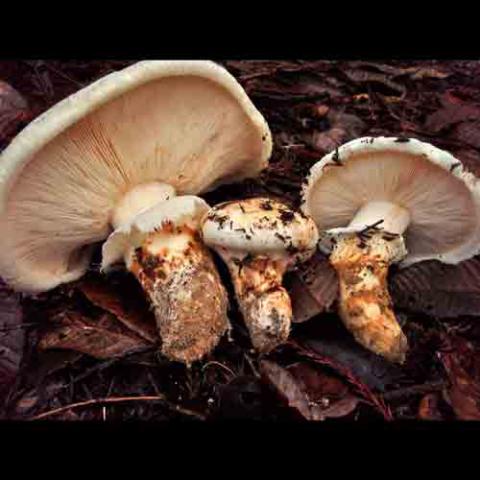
(385, 200)
(99, 160)
(259, 239)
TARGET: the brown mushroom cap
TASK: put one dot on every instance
(442, 199)
(187, 124)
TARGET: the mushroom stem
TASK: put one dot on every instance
(264, 303)
(177, 272)
(361, 262)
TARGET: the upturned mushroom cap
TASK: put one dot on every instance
(187, 124)
(427, 184)
(260, 225)
(178, 211)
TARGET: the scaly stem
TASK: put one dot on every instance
(365, 304)
(177, 272)
(264, 303)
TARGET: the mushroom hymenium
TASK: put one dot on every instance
(259, 239)
(383, 200)
(113, 156)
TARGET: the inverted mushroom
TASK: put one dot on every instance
(259, 239)
(384, 200)
(116, 148)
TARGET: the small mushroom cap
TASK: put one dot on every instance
(188, 124)
(260, 225)
(178, 211)
(442, 199)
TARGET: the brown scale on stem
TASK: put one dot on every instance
(185, 290)
(365, 304)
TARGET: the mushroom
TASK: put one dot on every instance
(259, 239)
(109, 153)
(385, 200)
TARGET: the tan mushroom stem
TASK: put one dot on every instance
(177, 272)
(264, 303)
(362, 254)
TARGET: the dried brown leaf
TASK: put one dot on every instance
(310, 392)
(13, 111)
(468, 133)
(453, 111)
(12, 338)
(313, 288)
(461, 361)
(428, 408)
(134, 316)
(103, 338)
(438, 289)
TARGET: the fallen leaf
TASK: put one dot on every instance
(461, 362)
(428, 408)
(330, 340)
(103, 338)
(13, 111)
(450, 114)
(313, 288)
(313, 394)
(133, 315)
(468, 133)
(287, 387)
(12, 338)
(343, 127)
(438, 289)
(329, 397)
(240, 398)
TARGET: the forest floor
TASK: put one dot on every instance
(88, 350)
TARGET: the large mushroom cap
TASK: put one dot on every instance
(442, 199)
(188, 124)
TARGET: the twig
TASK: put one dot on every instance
(414, 390)
(96, 401)
(220, 365)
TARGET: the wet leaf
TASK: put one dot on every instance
(13, 111)
(438, 289)
(330, 340)
(453, 111)
(461, 361)
(12, 338)
(103, 338)
(428, 409)
(343, 127)
(287, 387)
(132, 314)
(469, 133)
(310, 392)
(313, 288)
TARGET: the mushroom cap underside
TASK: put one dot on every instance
(442, 199)
(188, 124)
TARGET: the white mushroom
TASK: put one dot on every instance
(259, 239)
(383, 200)
(109, 152)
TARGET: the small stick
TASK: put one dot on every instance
(96, 401)
(414, 390)
(220, 365)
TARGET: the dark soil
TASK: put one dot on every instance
(109, 367)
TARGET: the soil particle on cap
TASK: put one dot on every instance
(454, 166)
(402, 139)
(280, 236)
(267, 205)
(286, 216)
